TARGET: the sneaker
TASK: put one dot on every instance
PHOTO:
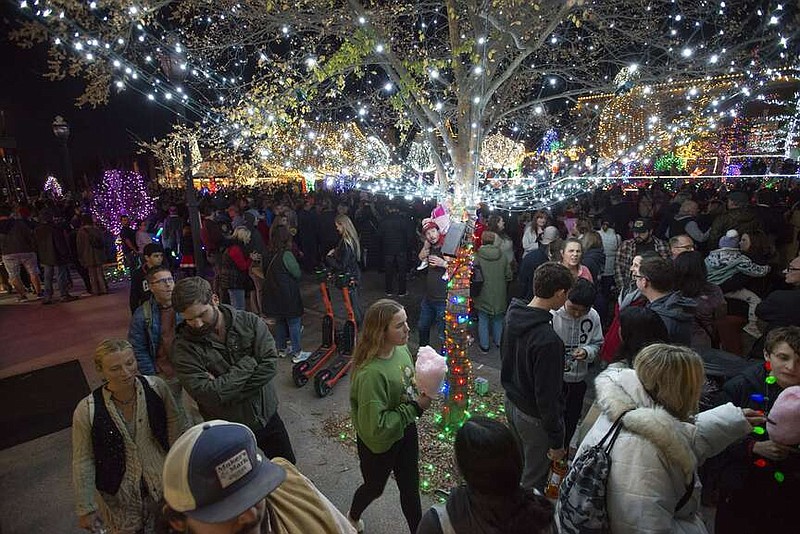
(403, 294)
(389, 294)
(22, 299)
(281, 354)
(483, 350)
(423, 265)
(358, 525)
(69, 298)
(301, 357)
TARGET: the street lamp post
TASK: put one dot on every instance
(173, 64)
(61, 131)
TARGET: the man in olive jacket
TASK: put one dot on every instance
(226, 360)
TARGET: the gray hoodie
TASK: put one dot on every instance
(677, 312)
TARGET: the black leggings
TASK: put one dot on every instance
(402, 459)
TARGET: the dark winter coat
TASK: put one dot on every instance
(281, 290)
(91, 246)
(677, 312)
(230, 380)
(532, 367)
(520, 513)
(493, 298)
(308, 236)
(530, 262)
(395, 234)
(743, 220)
(16, 237)
(328, 236)
(594, 259)
(51, 245)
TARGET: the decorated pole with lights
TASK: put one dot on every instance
(61, 131)
(173, 63)
(456, 343)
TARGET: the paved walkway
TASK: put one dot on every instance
(35, 477)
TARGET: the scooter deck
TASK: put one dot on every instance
(315, 362)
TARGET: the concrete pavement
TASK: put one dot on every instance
(35, 477)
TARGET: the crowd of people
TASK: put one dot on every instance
(692, 316)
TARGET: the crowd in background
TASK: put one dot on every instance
(689, 300)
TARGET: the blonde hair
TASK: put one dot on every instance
(242, 234)
(373, 331)
(673, 376)
(349, 234)
(107, 347)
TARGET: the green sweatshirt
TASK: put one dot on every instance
(380, 400)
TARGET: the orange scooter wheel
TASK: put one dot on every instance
(321, 385)
(299, 374)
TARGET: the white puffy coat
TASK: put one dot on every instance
(656, 455)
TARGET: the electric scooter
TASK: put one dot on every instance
(327, 378)
(303, 371)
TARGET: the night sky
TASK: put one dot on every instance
(100, 138)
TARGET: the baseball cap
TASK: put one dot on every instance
(152, 248)
(549, 235)
(641, 226)
(214, 472)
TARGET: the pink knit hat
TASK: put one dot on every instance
(783, 424)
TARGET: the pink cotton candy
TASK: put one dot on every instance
(430, 371)
(441, 218)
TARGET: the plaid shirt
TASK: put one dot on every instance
(625, 254)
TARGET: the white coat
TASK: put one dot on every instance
(656, 456)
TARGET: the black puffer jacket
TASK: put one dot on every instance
(394, 234)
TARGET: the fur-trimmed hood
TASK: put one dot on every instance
(621, 391)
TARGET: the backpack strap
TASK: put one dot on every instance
(686, 496)
(147, 310)
(444, 518)
(612, 433)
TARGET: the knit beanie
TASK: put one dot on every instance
(783, 422)
(729, 240)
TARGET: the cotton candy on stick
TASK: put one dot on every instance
(430, 371)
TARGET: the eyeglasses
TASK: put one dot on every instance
(638, 276)
(790, 269)
(164, 281)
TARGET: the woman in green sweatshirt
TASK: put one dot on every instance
(384, 405)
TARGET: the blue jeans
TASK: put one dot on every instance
(61, 272)
(484, 321)
(294, 324)
(237, 298)
(430, 313)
